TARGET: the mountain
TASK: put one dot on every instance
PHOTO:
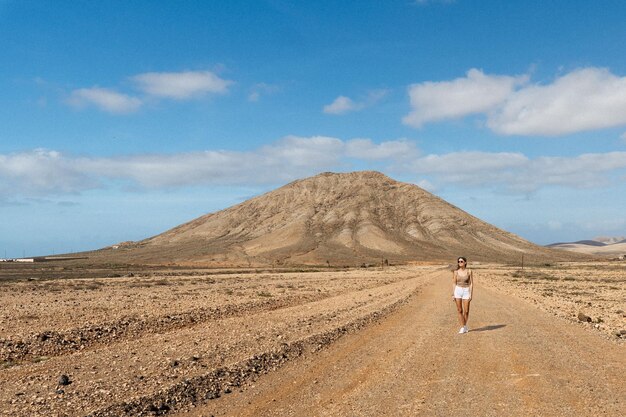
(609, 240)
(336, 219)
(580, 242)
(599, 246)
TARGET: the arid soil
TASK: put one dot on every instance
(516, 360)
(147, 344)
(592, 294)
(365, 342)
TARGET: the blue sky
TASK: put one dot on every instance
(120, 120)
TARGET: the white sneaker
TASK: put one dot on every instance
(462, 330)
(466, 329)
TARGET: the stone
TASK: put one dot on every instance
(584, 317)
(64, 380)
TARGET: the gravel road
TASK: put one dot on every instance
(516, 361)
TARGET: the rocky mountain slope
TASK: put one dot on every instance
(336, 219)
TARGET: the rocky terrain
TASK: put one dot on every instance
(591, 294)
(157, 341)
(516, 360)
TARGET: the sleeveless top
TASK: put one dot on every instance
(462, 280)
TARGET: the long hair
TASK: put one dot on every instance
(457, 262)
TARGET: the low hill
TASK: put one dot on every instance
(336, 219)
(580, 242)
(612, 250)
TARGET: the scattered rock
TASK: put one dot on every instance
(64, 380)
(584, 317)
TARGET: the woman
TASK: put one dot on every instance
(462, 291)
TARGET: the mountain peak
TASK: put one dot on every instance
(339, 219)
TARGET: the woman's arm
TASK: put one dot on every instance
(471, 286)
(453, 283)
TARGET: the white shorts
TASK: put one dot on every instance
(462, 292)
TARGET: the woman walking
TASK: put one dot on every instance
(462, 291)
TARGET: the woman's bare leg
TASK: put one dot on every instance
(459, 309)
(466, 308)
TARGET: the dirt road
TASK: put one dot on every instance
(515, 361)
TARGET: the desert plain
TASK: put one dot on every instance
(115, 340)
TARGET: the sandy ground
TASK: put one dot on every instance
(35, 306)
(141, 369)
(515, 361)
(338, 343)
(567, 290)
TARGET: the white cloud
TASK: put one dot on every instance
(475, 93)
(582, 100)
(296, 151)
(585, 99)
(516, 172)
(153, 85)
(583, 171)
(343, 104)
(44, 172)
(104, 99)
(181, 85)
(469, 168)
(366, 149)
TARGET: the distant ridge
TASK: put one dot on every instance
(580, 242)
(334, 219)
(599, 246)
(609, 240)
